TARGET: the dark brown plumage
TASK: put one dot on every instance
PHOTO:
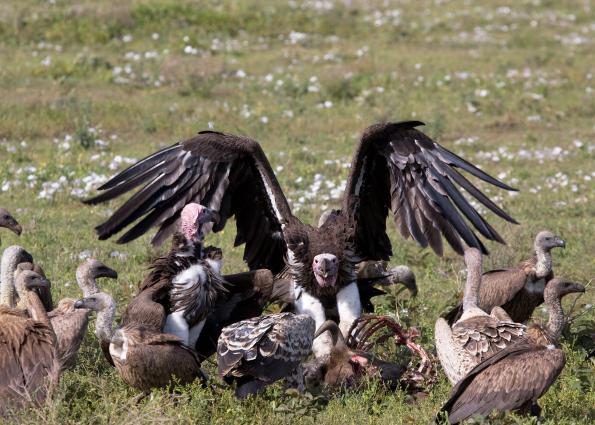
(28, 365)
(246, 296)
(259, 351)
(395, 167)
(145, 358)
(516, 377)
(518, 290)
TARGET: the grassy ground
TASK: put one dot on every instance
(86, 88)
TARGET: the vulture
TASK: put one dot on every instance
(352, 361)
(370, 272)
(145, 357)
(11, 258)
(28, 365)
(517, 376)
(518, 290)
(395, 167)
(184, 285)
(259, 351)
(70, 324)
(477, 335)
(8, 221)
(176, 297)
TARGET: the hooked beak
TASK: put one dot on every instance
(208, 215)
(38, 283)
(16, 228)
(79, 303)
(105, 271)
(560, 243)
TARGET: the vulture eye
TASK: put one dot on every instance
(316, 260)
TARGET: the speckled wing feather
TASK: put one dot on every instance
(399, 168)
(483, 336)
(506, 381)
(224, 172)
(267, 348)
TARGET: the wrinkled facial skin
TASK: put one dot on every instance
(326, 269)
(194, 216)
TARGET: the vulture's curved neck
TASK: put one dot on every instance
(8, 267)
(86, 282)
(555, 323)
(544, 262)
(35, 307)
(104, 323)
(471, 294)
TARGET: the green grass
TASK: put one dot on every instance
(509, 86)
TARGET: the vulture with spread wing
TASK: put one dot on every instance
(395, 168)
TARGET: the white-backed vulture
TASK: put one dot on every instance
(518, 290)
(259, 351)
(9, 222)
(144, 357)
(516, 377)
(28, 365)
(477, 335)
(395, 168)
(69, 323)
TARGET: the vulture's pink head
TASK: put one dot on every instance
(326, 269)
(193, 219)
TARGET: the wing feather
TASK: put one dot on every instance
(224, 172)
(399, 168)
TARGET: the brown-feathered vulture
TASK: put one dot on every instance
(395, 168)
(145, 357)
(516, 377)
(29, 368)
(70, 324)
(518, 290)
(259, 351)
(477, 335)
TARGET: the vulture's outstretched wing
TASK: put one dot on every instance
(224, 172)
(399, 168)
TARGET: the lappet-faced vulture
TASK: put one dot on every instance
(516, 377)
(518, 290)
(395, 168)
